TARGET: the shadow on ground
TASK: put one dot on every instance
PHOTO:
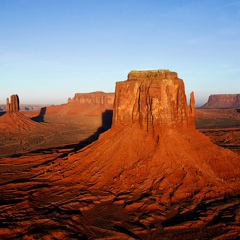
(40, 117)
(70, 148)
(2, 113)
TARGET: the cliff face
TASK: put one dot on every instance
(94, 98)
(153, 99)
(130, 183)
(223, 101)
(85, 104)
(153, 132)
(13, 105)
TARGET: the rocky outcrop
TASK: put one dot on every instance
(96, 98)
(13, 120)
(152, 135)
(13, 105)
(221, 101)
(151, 176)
(153, 99)
(86, 104)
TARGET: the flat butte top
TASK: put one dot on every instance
(151, 75)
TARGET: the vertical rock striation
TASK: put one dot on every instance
(91, 104)
(153, 144)
(130, 184)
(13, 105)
(153, 99)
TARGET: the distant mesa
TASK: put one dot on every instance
(85, 104)
(223, 101)
(93, 98)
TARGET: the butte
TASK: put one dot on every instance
(153, 143)
(151, 176)
(13, 120)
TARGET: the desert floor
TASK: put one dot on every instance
(34, 206)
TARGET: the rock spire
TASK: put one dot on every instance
(13, 105)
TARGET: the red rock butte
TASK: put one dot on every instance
(151, 176)
(153, 139)
(223, 101)
(153, 99)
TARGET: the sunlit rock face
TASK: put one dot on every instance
(153, 99)
(223, 101)
(150, 176)
(93, 98)
(90, 104)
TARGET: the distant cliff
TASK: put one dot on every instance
(94, 98)
(229, 101)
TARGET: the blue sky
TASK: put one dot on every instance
(52, 49)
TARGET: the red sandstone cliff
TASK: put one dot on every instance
(151, 176)
(153, 162)
(153, 137)
(223, 101)
(85, 104)
(94, 98)
(152, 99)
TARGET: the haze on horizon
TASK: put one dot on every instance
(50, 50)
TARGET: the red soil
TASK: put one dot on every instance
(151, 176)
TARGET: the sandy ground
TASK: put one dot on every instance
(43, 196)
(55, 132)
(62, 131)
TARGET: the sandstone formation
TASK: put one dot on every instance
(154, 126)
(84, 104)
(13, 120)
(223, 101)
(151, 176)
(153, 99)
(13, 105)
(94, 98)
(35, 130)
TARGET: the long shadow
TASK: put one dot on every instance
(40, 117)
(2, 113)
(106, 124)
